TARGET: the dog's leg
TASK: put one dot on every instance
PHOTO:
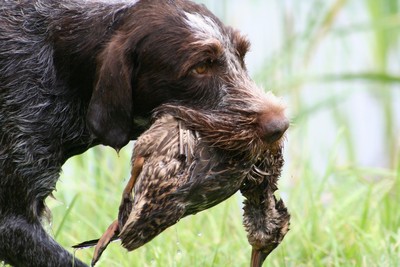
(24, 243)
(26, 179)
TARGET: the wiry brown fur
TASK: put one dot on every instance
(234, 129)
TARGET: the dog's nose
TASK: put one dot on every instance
(273, 127)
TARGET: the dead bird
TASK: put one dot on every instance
(190, 160)
(266, 219)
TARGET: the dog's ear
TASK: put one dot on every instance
(110, 112)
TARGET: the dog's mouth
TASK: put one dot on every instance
(234, 133)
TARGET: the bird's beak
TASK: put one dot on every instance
(257, 258)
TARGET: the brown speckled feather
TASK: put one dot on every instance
(181, 166)
(193, 172)
(181, 175)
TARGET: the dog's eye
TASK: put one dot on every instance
(201, 69)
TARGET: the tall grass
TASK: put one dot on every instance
(345, 212)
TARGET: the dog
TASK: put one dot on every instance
(75, 74)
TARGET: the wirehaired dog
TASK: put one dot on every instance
(74, 74)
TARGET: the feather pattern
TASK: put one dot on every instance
(187, 162)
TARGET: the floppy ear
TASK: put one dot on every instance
(110, 113)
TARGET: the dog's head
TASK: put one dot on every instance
(175, 51)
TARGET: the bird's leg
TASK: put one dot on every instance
(110, 234)
(136, 170)
(125, 207)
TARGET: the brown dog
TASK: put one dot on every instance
(74, 74)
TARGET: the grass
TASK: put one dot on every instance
(344, 211)
(346, 217)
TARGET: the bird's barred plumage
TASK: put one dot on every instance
(182, 173)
